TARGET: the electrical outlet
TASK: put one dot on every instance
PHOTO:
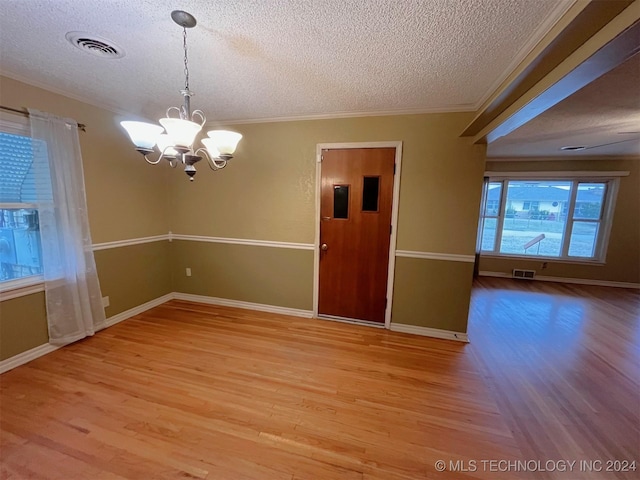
(188, 272)
(105, 302)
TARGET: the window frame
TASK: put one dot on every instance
(17, 125)
(497, 215)
(605, 221)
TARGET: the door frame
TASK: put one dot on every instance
(394, 219)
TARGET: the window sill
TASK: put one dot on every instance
(595, 263)
(21, 287)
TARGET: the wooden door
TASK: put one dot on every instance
(355, 232)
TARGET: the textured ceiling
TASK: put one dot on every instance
(267, 59)
(602, 116)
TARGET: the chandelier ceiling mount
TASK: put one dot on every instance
(175, 136)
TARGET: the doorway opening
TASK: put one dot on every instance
(357, 193)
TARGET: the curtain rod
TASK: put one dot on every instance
(24, 112)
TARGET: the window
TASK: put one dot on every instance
(565, 219)
(341, 201)
(20, 245)
(492, 209)
(370, 194)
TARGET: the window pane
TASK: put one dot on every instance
(489, 234)
(341, 201)
(583, 239)
(493, 199)
(19, 244)
(589, 200)
(370, 192)
(533, 209)
(21, 180)
(16, 157)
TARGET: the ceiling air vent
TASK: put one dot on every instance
(95, 45)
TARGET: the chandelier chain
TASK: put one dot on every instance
(177, 144)
(186, 61)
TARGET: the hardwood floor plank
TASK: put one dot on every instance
(199, 391)
(564, 362)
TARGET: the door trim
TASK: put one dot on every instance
(394, 219)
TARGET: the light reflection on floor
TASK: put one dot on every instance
(564, 363)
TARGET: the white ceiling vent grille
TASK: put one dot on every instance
(95, 45)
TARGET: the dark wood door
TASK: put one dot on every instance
(355, 232)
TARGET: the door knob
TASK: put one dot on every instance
(324, 246)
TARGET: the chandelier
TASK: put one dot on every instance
(175, 137)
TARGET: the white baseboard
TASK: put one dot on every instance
(225, 302)
(25, 357)
(132, 312)
(429, 332)
(577, 281)
(494, 274)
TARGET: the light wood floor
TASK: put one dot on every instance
(194, 391)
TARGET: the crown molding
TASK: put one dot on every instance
(64, 93)
(538, 35)
(332, 116)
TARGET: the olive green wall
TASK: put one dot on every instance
(126, 199)
(265, 275)
(267, 192)
(432, 293)
(134, 274)
(623, 256)
(130, 276)
(23, 324)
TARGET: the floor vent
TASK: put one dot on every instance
(517, 273)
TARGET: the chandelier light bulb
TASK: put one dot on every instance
(143, 135)
(212, 148)
(224, 141)
(181, 132)
(165, 145)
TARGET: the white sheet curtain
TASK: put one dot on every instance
(74, 301)
(483, 212)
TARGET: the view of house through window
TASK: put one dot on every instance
(545, 218)
(20, 247)
(19, 243)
